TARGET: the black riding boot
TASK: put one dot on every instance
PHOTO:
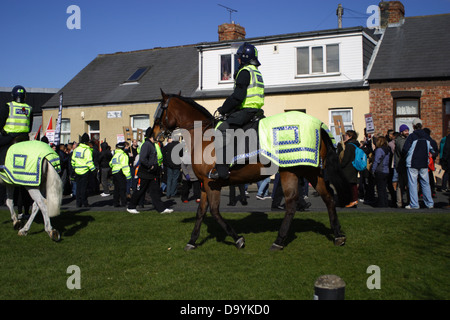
(221, 142)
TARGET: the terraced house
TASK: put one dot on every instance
(410, 76)
(324, 73)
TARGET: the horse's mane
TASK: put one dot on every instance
(194, 104)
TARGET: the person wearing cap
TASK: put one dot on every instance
(148, 173)
(417, 147)
(82, 164)
(400, 177)
(121, 174)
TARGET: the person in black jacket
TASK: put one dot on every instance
(105, 170)
(349, 171)
(148, 172)
(94, 183)
(172, 163)
(366, 187)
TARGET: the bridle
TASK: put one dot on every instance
(164, 132)
(161, 116)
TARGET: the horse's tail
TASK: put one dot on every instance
(54, 191)
(333, 171)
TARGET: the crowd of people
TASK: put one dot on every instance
(127, 172)
(400, 167)
(134, 175)
(400, 170)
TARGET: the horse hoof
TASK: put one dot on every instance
(54, 235)
(17, 225)
(240, 243)
(340, 241)
(190, 247)
(22, 233)
(276, 247)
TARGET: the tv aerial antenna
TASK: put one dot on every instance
(229, 10)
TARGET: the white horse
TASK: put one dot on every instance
(50, 185)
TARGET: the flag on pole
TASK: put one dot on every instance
(38, 134)
(50, 125)
(58, 122)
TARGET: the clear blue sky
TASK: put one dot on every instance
(38, 50)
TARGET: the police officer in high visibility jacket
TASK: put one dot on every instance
(82, 164)
(159, 154)
(242, 106)
(121, 173)
(16, 121)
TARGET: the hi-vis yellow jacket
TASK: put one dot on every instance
(120, 162)
(82, 160)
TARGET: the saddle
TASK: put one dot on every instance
(6, 142)
(24, 160)
(246, 140)
(286, 139)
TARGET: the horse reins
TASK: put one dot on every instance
(164, 129)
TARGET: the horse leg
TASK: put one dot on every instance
(321, 187)
(41, 203)
(10, 205)
(26, 227)
(214, 201)
(201, 211)
(289, 183)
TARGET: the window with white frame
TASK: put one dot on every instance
(227, 68)
(65, 131)
(318, 60)
(94, 130)
(347, 119)
(140, 121)
(405, 112)
(406, 107)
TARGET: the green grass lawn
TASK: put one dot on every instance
(123, 256)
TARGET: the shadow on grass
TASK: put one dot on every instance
(67, 223)
(258, 222)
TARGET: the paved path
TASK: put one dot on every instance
(99, 203)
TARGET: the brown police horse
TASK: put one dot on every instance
(176, 112)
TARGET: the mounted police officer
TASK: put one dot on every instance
(241, 107)
(16, 121)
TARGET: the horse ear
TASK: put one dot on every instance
(164, 96)
(179, 93)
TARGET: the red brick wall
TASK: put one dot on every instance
(231, 31)
(431, 104)
(391, 12)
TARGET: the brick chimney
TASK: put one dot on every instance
(231, 31)
(391, 12)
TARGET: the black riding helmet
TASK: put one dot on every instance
(248, 54)
(19, 94)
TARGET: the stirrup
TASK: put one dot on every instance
(213, 174)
